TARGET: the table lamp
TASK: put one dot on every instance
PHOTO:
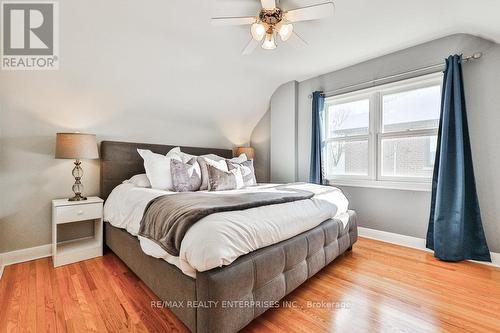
(249, 151)
(77, 146)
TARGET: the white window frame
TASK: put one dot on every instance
(359, 137)
(375, 135)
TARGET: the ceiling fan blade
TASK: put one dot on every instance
(313, 12)
(268, 4)
(250, 47)
(296, 41)
(223, 21)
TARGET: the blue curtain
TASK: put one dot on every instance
(316, 172)
(455, 229)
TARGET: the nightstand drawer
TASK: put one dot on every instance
(78, 213)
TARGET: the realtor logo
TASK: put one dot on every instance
(30, 35)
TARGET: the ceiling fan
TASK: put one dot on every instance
(272, 21)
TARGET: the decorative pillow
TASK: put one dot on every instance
(140, 180)
(158, 169)
(214, 160)
(185, 158)
(186, 177)
(173, 151)
(240, 159)
(246, 168)
(221, 180)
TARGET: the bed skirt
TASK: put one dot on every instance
(226, 299)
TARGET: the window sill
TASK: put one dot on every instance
(389, 185)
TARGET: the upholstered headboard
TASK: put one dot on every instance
(120, 160)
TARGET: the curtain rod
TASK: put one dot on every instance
(475, 56)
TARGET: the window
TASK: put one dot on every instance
(346, 146)
(384, 136)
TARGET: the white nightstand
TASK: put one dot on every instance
(64, 211)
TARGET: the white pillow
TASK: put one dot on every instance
(158, 169)
(140, 180)
(184, 156)
(240, 159)
(174, 151)
(221, 165)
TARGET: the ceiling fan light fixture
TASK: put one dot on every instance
(269, 43)
(272, 21)
(286, 31)
(258, 31)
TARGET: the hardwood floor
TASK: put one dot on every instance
(378, 287)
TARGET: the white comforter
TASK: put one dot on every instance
(220, 238)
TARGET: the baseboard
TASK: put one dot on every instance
(495, 260)
(23, 255)
(390, 237)
(413, 242)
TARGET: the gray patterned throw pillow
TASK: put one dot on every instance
(221, 180)
(247, 171)
(203, 160)
(185, 176)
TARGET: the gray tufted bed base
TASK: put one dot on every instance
(257, 279)
(267, 274)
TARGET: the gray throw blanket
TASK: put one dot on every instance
(167, 218)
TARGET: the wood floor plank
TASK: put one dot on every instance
(378, 287)
(13, 307)
(57, 299)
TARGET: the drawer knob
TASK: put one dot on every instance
(80, 212)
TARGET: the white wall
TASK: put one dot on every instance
(283, 162)
(407, 212)
(261, 137)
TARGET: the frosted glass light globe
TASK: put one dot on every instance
(269, 43)
(258, 31)
(286, 31)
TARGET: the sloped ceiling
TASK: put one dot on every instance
(164, 58)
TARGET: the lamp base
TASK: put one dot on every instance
(77, 186)
(77, 197)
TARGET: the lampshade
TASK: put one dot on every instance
(249, 151)
(76, 146)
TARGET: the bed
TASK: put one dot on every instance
(227, 298)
